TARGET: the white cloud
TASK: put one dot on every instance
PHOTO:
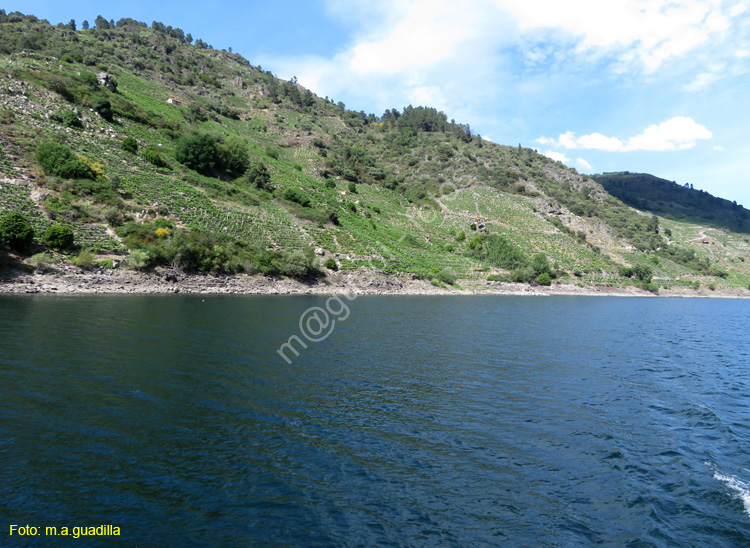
(487, 138)
(656, 30)
(598, 141)
(737, 10)
(719, 148)
(478, 60)
(557, 156)
(678, 133)
(428, 32)
(584, 165)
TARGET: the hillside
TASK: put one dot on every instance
(674, 201)
(158, 151)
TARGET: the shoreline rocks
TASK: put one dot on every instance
(356, 283)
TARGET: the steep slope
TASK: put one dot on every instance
(161, 152)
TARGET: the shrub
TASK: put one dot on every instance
(353, 188)
(544, 279)
(68, 118)
(297, 196)
(448, 275)
(103, 107)
(330, 183)
(152, 154)
(130, 145)
(540, 264)
(331, 263)
(59, 237)
(138, 259)
(85, 259)
(16, 231)
(273, 152)
(41, 260)
(57, 159)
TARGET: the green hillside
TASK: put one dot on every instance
(157, 150)
(680, 202)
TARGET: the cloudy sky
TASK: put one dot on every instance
(653, 86)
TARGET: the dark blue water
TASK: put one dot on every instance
(419, 421)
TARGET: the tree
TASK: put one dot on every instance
(643, 273)
(85, 25)
(540, 264)
(235, 156)
(197, 152)
(101, 23)
(257, 174)
(189, 38)
(16, 231)
(72, 24)
(59, 237)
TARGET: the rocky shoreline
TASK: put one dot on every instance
(76, 281)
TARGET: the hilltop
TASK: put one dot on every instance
(154, 150)
(680, 202)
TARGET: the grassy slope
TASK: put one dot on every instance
(415, 195)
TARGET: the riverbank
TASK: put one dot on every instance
(72, 280)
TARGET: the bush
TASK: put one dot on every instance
(16, 232)
(540, 264)
(297, 196)
(57, 159)
(543, 279)
(130, 145)
(41, 260)
(103, 107)
(330, 183)
(353, 188)
(331, 263)
(448, 275)
(138, 259)
(59, 237)
(152, 154)
(85, 259)
(68, 118)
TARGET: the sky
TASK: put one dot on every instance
(654, 86)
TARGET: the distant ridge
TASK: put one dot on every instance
(680, 202)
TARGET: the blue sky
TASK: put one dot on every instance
(653, 86)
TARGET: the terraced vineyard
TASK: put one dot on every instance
(399, 192)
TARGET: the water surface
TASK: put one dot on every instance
(420, 421)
